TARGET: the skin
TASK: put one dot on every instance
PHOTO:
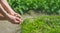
(2, 17)
(8, 13)
(6, 6)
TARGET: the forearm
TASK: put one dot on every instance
(3, 12)
(6, 6)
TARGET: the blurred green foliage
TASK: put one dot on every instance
(42, 24)
(46, 6)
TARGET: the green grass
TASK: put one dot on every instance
(42, 24)
(45, 6)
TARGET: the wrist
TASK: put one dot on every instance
(11, 12)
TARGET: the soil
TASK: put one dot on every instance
(7, 27)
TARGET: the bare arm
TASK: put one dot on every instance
(12, 19)
(3, 11)
(6, 6)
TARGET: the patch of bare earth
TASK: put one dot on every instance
(7, 27)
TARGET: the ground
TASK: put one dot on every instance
(7, 27)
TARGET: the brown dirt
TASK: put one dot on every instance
(7, 27)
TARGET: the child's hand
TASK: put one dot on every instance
(17, 15)
(14, 19)
(14, 14)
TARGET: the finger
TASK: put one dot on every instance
(16, 22)
(17, 15)
(18, 19)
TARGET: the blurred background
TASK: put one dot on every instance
(38, 6)
(40, 16)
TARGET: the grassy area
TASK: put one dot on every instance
(41, 24)
(45, 6)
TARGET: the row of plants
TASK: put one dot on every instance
(46, 6)
(41, 24)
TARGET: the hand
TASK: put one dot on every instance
(14, 14)
(17, 15)
(14, 19)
